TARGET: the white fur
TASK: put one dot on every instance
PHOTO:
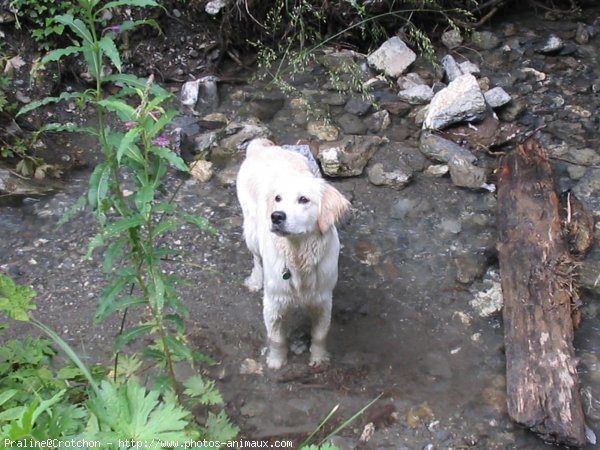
(289, 225)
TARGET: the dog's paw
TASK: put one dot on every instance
(277, 356)
(318, 357)
(275, 362)
(253, 284)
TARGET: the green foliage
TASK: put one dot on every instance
(40, 14)
(296, 29)
(132, 231)
(40, 403)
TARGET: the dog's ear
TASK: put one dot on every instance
(333, 207)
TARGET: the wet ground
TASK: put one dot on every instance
(402, 324)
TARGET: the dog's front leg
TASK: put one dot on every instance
(254, 282)
(274, 321)
(320, 313)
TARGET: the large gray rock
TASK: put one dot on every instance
(460, 101)
(392, 58)
(443, 150)
(348, 156)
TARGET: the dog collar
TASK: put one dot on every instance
(286, 274)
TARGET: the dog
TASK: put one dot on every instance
(289, 217)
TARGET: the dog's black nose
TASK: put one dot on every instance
(277, 217)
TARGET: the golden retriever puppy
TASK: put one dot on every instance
(289, 226)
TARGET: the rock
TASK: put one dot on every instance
(532, 74)
(443, 150)
(201, 170)
(396, 179)
(323, 130)
(469, 67)
(488, 294)
(378, 121)
(582, 35)
(470, 266)
(357, 106)
(488, 133)
(553, 44)
(213, 7)
(588, 191)
(452, 39)
(436, 170)
(304, 150)
(465, 174)
(409, 80)
(251, 367)
(238, 133)
(349, 156)
(461, 100)
(496, 97)
(451, 68)
(485, 40)
(512, 111)
(333, 99)
(11, 185)
(208, 97)
(416, 95)
(393, 57)
(204, 142)
(189, 94)
(351, 124)
(396, 108)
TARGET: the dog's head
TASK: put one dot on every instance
(304, 204)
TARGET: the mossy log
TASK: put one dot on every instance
(537, 273)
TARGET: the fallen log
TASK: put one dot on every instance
(537, 278)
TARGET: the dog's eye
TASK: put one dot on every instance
(278, 198)
(302, 199)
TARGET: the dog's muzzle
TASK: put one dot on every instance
(278, 222)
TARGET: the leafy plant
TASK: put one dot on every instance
(131, 226)
(40, 14)
(128, 197)
(297, 32)
(38, 403)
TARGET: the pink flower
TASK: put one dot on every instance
(161, 141)
(130, 124)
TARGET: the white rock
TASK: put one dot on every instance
(460, 101)
(189, 93)
(489, 300)
(393, 57)
(214, 7)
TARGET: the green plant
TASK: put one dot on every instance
(130, 226)
(41, 16)
(133, 227)
(39, 403)
(296, 29)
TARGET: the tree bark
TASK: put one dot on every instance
(537, 273)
